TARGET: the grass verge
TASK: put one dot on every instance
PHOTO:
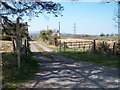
(101, 59)
(54, 48)
(97, 58)
(13, 76)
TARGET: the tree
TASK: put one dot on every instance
(117, 20)
(117, 17)
(20, 9)
(9, 29)
(43, 35)
(102, 34)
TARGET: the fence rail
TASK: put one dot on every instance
(76, 46)
(85, 46)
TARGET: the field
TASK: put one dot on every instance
(5, 46)
(89, 40)
(92, 37)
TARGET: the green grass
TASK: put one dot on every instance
(97, 58)
(111, 61)
(54, 48)
(13, 76)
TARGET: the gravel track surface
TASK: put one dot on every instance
(56, 71)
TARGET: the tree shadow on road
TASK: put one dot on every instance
(56, 71)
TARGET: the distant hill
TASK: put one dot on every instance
(75, 36)
(34, 33)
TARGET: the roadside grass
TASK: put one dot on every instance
(13, 77)
(39, 48)
(97, 58)
(55, 49)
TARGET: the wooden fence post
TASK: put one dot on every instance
(60, 46)
(64, 46)
(13, 42)
(18, 43)
(94, 45)
(74, 48)
(25, 44)
(114, 47)
(79, 44)
(28, 45)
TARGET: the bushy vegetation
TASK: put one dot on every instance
(5, 37)
(104, 47)
(49, 36)
(14, 76)
(118, 49)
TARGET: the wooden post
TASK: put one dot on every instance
(114, 47)
(74, 47)
(64, 46)
(89, 47)
(103, 43)
(79, 44)
(25, 42)
(13, 42)
(94, 45)
(18, 44)
(60, 46)
(84, 47)
(71, 43)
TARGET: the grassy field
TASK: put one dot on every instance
(13, 76)
(97, 37)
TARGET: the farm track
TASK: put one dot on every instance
(56, 71)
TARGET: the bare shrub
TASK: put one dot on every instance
(104, 47)
(118, 49)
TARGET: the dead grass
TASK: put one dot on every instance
(5, 46)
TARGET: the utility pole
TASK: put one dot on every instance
(47, 27)
(59, 27)
(74, 29)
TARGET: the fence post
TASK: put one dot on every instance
(60, 46)
(79, 44)
(64, 46)
(114, 47)
(74, 48)
(84, 47)
(25, 44)
(94, 45)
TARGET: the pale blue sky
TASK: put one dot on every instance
(90, 18)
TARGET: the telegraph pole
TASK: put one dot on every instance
(59, 27)
(74, 29)
(47, 27)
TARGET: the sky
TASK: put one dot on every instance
(90, 18)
